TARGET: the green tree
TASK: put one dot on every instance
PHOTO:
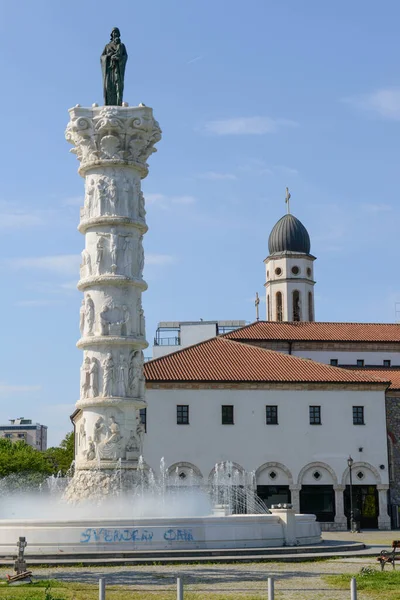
(19, 457)
(60, 458)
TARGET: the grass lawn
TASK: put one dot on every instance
(377, 584)
(73, 591)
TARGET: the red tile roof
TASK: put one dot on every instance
(317, 332)
(223, 360)
(392, 375)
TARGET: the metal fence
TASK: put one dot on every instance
(270, 591)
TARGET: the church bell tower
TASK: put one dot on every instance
(289, 271)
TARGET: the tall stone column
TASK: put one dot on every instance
(340, 518)
(383, 518)
(112, 144)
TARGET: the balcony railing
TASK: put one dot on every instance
(167, 341)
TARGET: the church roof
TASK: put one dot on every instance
(289, 235)
(222, 360)
(317, 332)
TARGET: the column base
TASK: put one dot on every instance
(98, 485)
(384, 523)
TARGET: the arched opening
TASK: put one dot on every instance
(268, 309)
(296, 305)
(279, 308)
(310, 307)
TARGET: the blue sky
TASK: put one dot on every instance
(251, 97)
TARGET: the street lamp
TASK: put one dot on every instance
(350, 462)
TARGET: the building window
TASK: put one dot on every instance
(360, 362)
(315, 415)
(21, 435)
(182, 414)
(278, 271)
(143, 418)
(227, 414)
(387, 363)
(295, 270)
(8, 435)
(310, 307)
(296, 305)
(268, 309)
(272, 415)
(279, 311)
(358, 415)
(334, 362)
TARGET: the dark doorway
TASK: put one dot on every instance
(274, 494)
(365, 500)
(318, 500)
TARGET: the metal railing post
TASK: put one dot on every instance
(353, 588)
(179, 588)
(102, 588)
(271, 592)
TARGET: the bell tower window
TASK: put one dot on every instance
(296, 305)
(268, 309)
(310, 307)
(279, 309)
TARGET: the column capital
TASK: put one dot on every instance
(382, 487)
(113, 136)
(339, 487)
(295, 487)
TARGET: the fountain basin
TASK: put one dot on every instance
(91, 536)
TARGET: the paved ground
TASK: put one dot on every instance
(291, 578)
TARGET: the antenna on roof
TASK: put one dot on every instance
(256, 304)
(287, 200)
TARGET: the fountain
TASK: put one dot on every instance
(112, 501)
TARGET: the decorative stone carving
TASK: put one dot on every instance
(90, 198)
(141, 318)
(140, 256)
(111, 135)
(132, 447)
(114, 320)
(126, 196)
(142, 210)
(127, 251)
(86, 265)
(82, 434)
(89, 315)
(99, 430)
(108, 375)
(112, 447)
(135, 375)
(85, 378)
(122, 376)
(90, 453)
(100, 253)
(82, 314)
(94, 378)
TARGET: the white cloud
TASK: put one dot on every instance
(183, 199)
(164, 202)
(214, 176)
(376, 208)
(247, 126)
(74, 201)
(29, 303)
(13, 389)
(63, 264)
(384, 102)
(155, 198)
(159, 259)
(195, 59)
(19, 220)
(256, 166)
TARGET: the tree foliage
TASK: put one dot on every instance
(20, 458)
(61, 457)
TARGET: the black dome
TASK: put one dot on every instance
(289, 234)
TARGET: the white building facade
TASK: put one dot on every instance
(285, 431)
